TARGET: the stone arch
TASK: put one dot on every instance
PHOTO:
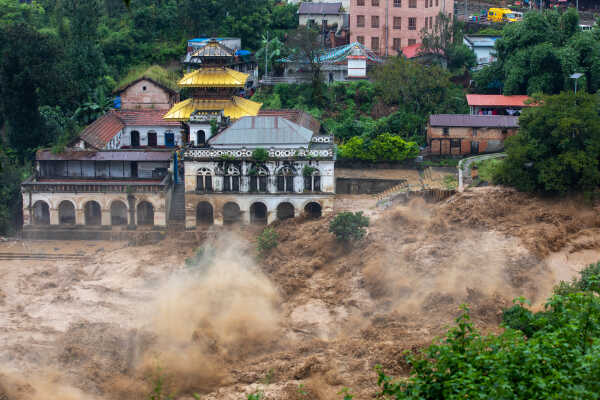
(231, 213)
(313, 209)
(204, 213)
(204, 180)
(145, 213)
(41, 213)
(92, 213)
(118, 213)
(285, 179)
(66, 213)
(285, 210)
(258, 213)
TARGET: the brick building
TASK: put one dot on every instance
(146, 94)
(386, 26)
(460, 134)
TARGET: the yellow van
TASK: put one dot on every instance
(501, 15)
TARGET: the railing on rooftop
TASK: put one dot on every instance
(247, 153)
(67, 186)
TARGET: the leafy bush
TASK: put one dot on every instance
(267, 240)
(488, 169)
(260, 155)
(589, 280)
(385, 147)
(347, 226)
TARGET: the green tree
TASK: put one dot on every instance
(348, 226)
(557, 147)
(11, 176)
(305, 44)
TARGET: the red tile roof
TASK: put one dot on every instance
(411, 51)
(495, 100)
(299, 117)
(102, 130)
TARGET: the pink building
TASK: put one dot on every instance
(386, 26)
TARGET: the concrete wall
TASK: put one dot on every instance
(105, 200)
(365, 185)
(124, 139)
(147, 95)
(386, 28)
(461, 140)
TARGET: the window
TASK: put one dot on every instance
(204, 180)
(412, 41)
(412, 3)
(375, 3)
(397, 3)
(446, 131)
(504, 131)
(374, 21)
(152, 141)
(397, 44)
(231, 181)
(360, 21)
(285, 180)
(426, 3)
(144, 88)
(375, 44)
(430, 22)
(455, 143)
(437, 3)
(474, 131)
(412, 24)
(360, 2)
(430, 3)
(258, 180)
(312, 183)
(397, 23)
(360, 39)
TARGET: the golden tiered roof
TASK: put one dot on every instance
(214, 77)
(234, 108)
(213, 49)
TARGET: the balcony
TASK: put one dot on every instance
(129, 186)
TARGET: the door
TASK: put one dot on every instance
(152, 141)
(135, 139)
(134, 169)
(474, 147)
(169, 139)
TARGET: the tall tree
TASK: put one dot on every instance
(305, 44)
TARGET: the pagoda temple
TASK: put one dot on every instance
(214, 88)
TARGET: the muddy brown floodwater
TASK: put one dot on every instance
(311, 317)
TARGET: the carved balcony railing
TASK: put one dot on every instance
(275, 154)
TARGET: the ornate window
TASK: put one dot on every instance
(312, 182)
(231, 180)
(204, 180)
(285, 180)
(258, 180)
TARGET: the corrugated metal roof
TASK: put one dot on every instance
(214, 77)
(495, 100)
(299, 117)
(475, 121)
(235, 108)
(319, 8)
(481, 41)
(263, 130)
(120, 155)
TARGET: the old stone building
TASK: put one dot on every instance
(460, 134)
(257, 170)
(146, 94)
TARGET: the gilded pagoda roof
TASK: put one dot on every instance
(214, 77)
(213, 49)
(234, 108)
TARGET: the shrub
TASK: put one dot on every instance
(385, 147)
(347, 226)
(267, 240)
(260, 155)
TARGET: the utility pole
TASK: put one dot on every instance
(466, 10)
(267, 56)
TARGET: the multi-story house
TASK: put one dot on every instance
(386, 26)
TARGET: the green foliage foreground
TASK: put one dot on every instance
(554, 354)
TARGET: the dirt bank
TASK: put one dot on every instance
(311, 317)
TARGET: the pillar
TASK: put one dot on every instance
(53, 216)
(105, 218)
(160, 218)
(271, 216)
(245, 217)
(79, 216)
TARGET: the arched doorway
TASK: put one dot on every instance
(145, 213)
(118, 213)
(258, 213)
(93, 213)
(204, 213)
(313, 210)
(285, 180)
(285, 211)
(41, 213)
(66, 213)
(231, 213)
(201, 136)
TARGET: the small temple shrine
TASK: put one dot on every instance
(214, 100)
